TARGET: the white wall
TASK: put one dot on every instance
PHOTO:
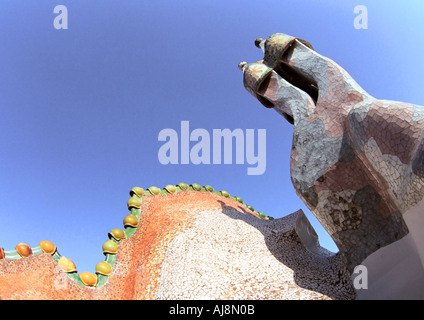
(397, 270)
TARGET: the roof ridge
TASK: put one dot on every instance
(111, 246)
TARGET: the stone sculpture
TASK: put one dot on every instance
(356, 161)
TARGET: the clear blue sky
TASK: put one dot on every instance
(81, 109)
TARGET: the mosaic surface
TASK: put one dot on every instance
(186, 242)
(356, 161)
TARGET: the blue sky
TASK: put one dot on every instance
(81, 109)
